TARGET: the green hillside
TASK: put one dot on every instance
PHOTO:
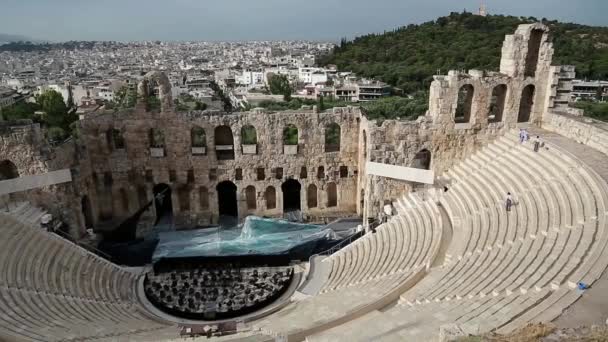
(408, 56)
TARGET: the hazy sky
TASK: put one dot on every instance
(60, 20)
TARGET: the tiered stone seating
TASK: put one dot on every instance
(503, 269)
(368, 274)
(409, 240)
(51, 289)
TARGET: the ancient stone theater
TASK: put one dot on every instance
(460, 225)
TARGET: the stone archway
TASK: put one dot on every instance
(226, 197)
(163, 203)
(291, 195)
(8, 170)
(526, 103)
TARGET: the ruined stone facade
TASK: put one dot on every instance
(122, 159)
(118, 178)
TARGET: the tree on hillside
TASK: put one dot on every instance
(279, 85)
(408, 56)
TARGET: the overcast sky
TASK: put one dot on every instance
(60, 20)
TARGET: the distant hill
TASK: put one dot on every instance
(408, 56)
(8, 38)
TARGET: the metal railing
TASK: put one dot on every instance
(372, 225)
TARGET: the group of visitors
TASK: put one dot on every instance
(524, 137)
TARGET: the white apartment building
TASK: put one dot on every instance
(589, 90)
(250, 78)
(312, 75)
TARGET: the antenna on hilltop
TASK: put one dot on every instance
(482, 9)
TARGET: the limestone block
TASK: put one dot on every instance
(290, 149)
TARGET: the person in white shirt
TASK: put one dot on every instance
(509, 202)
(537, 143)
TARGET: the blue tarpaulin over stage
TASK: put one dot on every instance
(256, 236)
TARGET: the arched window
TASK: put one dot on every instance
(526, 103)
(290, 139)
(536, 37)
(321, 172)
(248, 135)
(203, 198)
(250, 197)
(464, 104)
(157, 138)
(249, 140)
(183, 194)
(8, 170)
(332, 195)
(198, 137)
(224, 143)
(422, 160)
(497, 103)
(311, 196)
(271, 198)
(332, 137)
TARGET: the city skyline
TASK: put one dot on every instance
(239, 20)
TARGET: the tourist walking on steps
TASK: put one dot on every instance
(522, 135)
(537, 143)
(509, 202)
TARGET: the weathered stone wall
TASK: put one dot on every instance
(134, 167)
(26, 148)
(444, 92)
(590, 132)
(398, 143)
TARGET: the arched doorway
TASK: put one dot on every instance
(526, 104)
(87, 212)
(291, 195)
(226, 198)
(497, 103)
(8, 170)
(163, 203)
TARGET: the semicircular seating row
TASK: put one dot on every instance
(368, 274)
(51, 290)
(503, 269)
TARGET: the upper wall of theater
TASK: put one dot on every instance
(519, 93)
